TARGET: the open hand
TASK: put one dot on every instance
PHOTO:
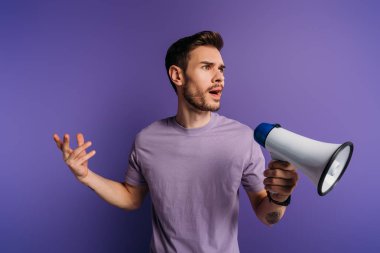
(77, 159)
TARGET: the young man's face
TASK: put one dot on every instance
(204, 78)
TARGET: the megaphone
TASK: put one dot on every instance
(323, 163)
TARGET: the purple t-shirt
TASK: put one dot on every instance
(193, 176)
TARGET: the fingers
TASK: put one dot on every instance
(281, 177)
(57, 141)
(278, 173)
(279, 181)
(75, 159)
(280, 185)
(66, 144)
(80, 139)
(283, 165)
(86, 157)
(75, 154)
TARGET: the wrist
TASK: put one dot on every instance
(85, 178)
(283, 201)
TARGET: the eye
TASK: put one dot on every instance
(207, 67)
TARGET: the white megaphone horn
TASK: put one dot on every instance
(323, 163)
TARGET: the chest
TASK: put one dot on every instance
(215, 162)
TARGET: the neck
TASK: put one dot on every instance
(189, 117)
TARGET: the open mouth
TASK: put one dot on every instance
(215, 92)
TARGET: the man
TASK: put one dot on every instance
(192, 164)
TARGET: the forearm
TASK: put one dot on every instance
(269, 213)
(115, 193)
(281, 178)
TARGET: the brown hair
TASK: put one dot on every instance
(178, 52)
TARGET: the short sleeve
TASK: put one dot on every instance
(134, 174)
(253, 173)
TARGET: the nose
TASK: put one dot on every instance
(218, 77)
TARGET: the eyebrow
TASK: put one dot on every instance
(222, 66)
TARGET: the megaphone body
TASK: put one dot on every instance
(323, 163)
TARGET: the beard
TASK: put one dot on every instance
(198, 100)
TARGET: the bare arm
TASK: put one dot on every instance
(124, 196)
(282, 179)
(121, 195)
(267, 212)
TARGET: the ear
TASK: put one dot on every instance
(176, 75)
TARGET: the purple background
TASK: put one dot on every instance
(97, 67)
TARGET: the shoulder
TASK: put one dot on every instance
(155, 129)
(234, 126)
(239, 135)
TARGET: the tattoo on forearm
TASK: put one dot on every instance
(273, 218)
